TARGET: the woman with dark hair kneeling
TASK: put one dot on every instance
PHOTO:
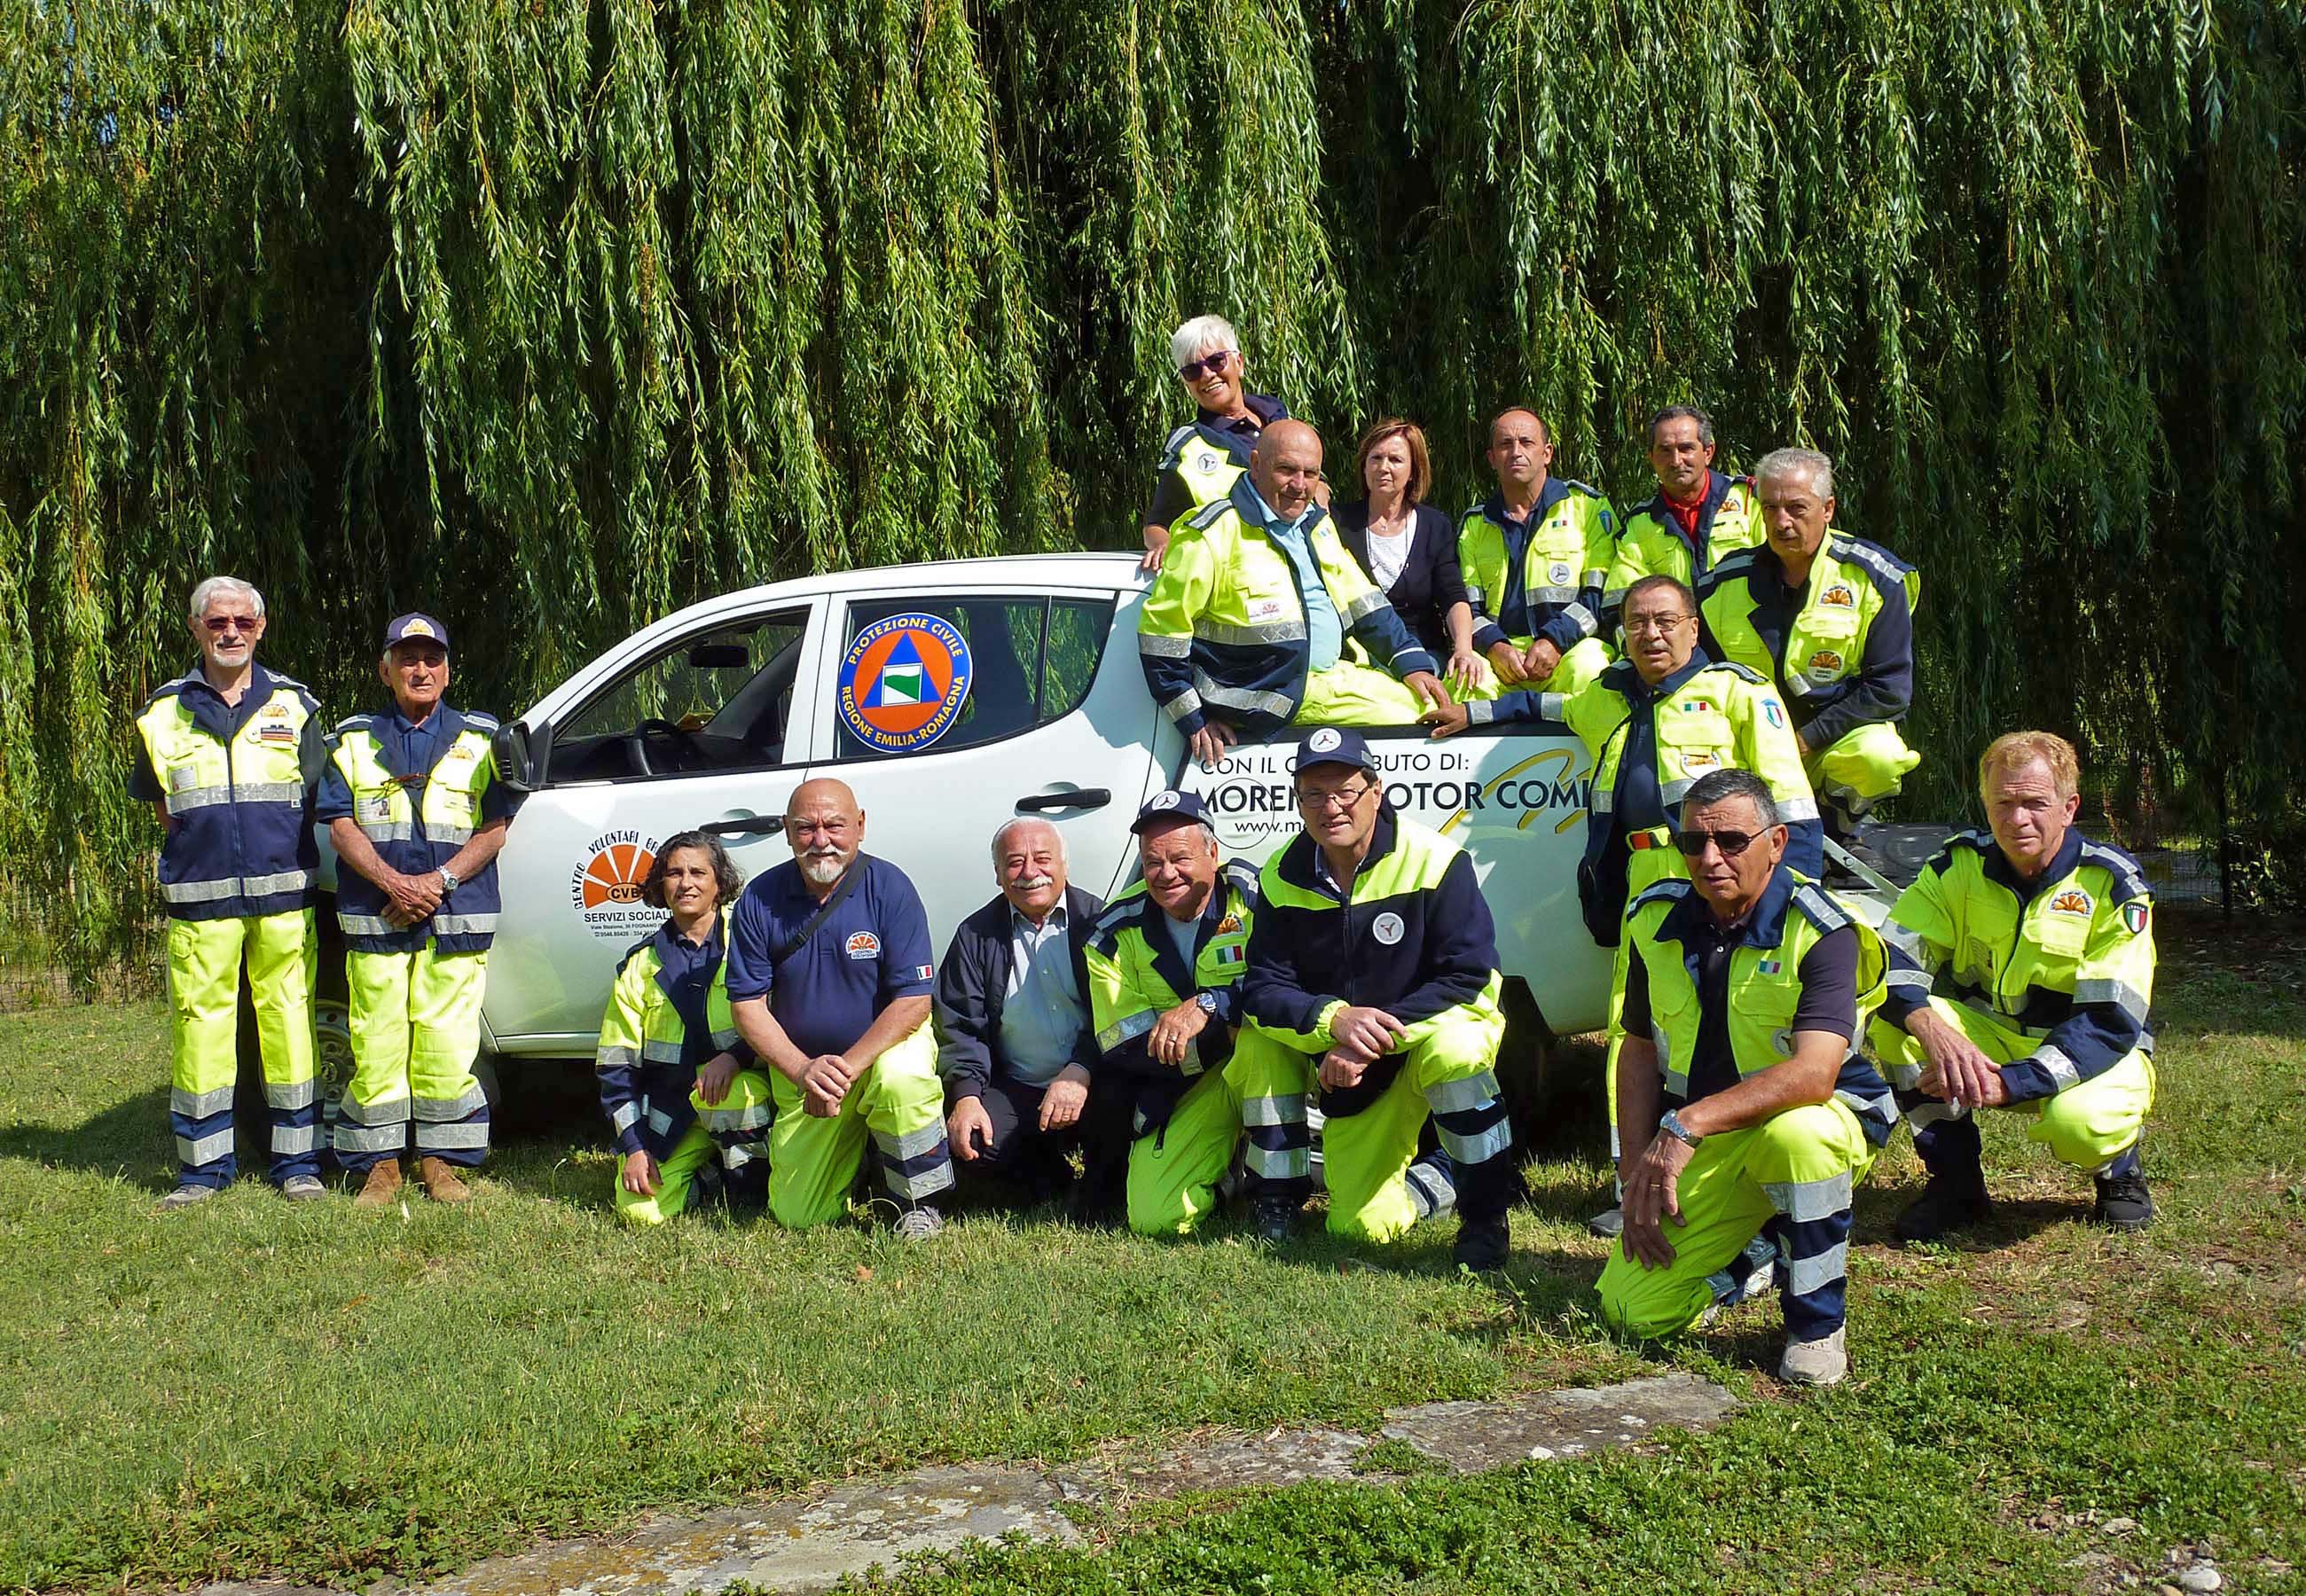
(689, 1112)
(1410, 549)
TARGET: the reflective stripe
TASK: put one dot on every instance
(363, 1139)
(1552, 595)
(1281, 1163)
(204, 1150)
(270, 792)
(1476, 1149)
(615, 1058)
(1797, 808)
(915, 1187)
(1613, 598)
(1369, 603)
(2061, 1068)
(736, 1157)
(198, 1105)
(297, 1094)
(367, 925)
(1454, 1097)
(1126, 1028)
(392, 1111)
(1803, 1201)
(452, 836)
(1162, 647)
(1604, 800)
(1909, 978)
(436, 1109)
(725, 1040)
(912, 1144)
(1481, 712)
(1906, 1078)
(468, 1133)
(1184, 704)
(201, 891)
(1431, 1189)
(1288, 1110)
(657, 1050)
(1277, 704)
(286, 880)
(287, 1141)
(463, 925)
(1476, 594)
(1594, 578)
(1587, 621)
(1280, 631)
(198, 798)
(731, 1121)
(2121, 994)
(1670, 792)
(660, 1121)
(1807, 1275)
(387, 830)
(625, 1116)
(1911, 943)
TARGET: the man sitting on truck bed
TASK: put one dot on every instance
(1245, 628)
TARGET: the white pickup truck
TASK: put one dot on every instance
(952, 697)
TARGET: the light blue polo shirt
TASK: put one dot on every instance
(1325, 633)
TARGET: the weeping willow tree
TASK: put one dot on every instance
(550, 318)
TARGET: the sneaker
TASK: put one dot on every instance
(302, 1188)
(1276, 1217)
(920, 1222)
(1941, 1208)
(185, 1196)
(1609, 1224)
(1821, 1362)
(2123, 1203)
(1761, 1283)
(1482, 1243)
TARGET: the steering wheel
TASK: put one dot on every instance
(636, 742)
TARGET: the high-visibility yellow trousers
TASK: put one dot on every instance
(1351, 695)
(282, 951)
(900, 1101)
(1174, 1174)
(1789, 1177)
(416, 1029)
(1859, 769)
(2090, 1125)
(1579, 664)
(1448, 1072)
(726, 1139)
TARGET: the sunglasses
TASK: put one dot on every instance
(230, 623)
(1214, 364)
(1731, 843)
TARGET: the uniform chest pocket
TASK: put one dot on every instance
(1555, 554)
(1674, 1011)
(2059, 933)
(1766, 999)
(1701, 738)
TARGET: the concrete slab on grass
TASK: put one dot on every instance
(1474, 1436)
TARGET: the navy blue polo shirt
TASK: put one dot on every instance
(871, 950)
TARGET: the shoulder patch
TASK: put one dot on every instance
(1820, 909)
(2129, 879)
(1575, 486)
(354, 723)
(480, 721)
(1887, 568)
(1244, 879)
(1174, 448)
(1977, 841)
(1670, 891)
(1738, 670)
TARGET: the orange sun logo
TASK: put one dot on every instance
(615, 873)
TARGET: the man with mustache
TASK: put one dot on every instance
(1014, 1037)
(829, 974)
(1698, 518)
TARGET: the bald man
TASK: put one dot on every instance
(830, 970)
(1245, 628)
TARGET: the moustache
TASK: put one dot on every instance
(1034, 883)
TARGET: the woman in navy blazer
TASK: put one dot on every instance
(1410, 549)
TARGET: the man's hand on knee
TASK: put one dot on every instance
(969, 1128)
(1652, 1196)
(1955, 1068)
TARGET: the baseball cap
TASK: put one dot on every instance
(422, 629)
(1335, 745)
(1168, 806)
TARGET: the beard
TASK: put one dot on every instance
(823, 866)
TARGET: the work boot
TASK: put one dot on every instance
(383, 1185)
(441, 1182)
(1276, 1217)
(301, 1188)
(919, 1221)
(1821, 1362)
(185, 1197)
(2123, 1202)
(1609, 1224)
(1482, 1243)
(1947, 1204)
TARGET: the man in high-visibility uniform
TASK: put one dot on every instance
(1655, 722)
(1245, 628)
(412, 805)
(1749, 1112)
(228, 754)
(689, 1112)
(1536, 554)
(1372, 970)
(830, 972)
(2039, 945)
(1828, 618)
(1698, 518)
(1201, 459)
(1165, 970)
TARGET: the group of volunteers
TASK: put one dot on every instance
(1329, 1019)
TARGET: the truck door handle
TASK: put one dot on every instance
(751, 825)
(1087, 797)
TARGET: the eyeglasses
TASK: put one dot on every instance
(1344, 798)
(231, 623)
(1664, 626)
(1214, 363)
(1730, 843)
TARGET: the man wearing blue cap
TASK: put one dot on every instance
(412, 805)
(1372, 970)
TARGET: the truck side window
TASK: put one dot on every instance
(715, 701)
(1031, 661)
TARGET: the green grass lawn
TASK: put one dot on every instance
(250, 1388)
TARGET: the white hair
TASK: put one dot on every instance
(1007, 826)
(1786, 462)
(1201, 335)
(214, 587)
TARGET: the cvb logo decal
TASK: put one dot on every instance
(604, 886)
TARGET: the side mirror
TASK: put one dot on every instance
(510, 747)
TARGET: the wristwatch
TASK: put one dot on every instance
(448, 883)
(1208, 1000)
(1671, 1123)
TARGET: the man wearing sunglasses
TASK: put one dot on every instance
(1202, 460)
(2023, 968)
(1372, 973)
(1748, 1112)
(228, 754)
(1244, 629)
(1656, 721)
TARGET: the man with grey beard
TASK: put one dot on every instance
(830, 969)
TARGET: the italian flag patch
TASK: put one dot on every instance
(2134, 915)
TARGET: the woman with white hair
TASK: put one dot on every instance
(1203, 460)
